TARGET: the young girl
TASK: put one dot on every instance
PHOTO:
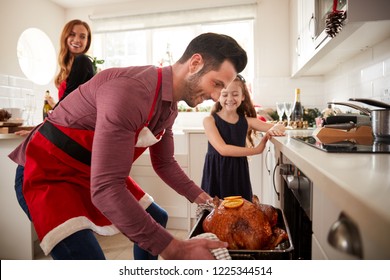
(229, 130)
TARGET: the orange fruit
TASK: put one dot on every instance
(232, 197)
(233, 203)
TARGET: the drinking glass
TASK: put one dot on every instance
(288, 111)
(280, 110)
(29, 108)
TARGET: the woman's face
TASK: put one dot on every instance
(77, 39)
(231, 97)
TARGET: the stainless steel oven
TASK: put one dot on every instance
(322, 8)
(296, 202)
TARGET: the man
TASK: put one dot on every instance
(77, 163)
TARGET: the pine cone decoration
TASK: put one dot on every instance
(334, 22)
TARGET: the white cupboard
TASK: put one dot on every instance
(176, 205)
(270, 185)
(367, 24)
(17, 234)
(325, 214)
(302, 31)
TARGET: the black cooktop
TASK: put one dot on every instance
(347, 146)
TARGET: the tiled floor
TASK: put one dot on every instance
(118, 247)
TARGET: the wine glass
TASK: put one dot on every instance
(288, 111)
(280, 110)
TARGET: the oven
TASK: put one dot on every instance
(296, 203)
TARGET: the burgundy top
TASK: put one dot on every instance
(115, 103)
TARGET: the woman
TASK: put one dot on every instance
(75, 66)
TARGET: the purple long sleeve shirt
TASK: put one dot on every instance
(115, 103)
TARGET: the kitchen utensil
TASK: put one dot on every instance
(380, 120)
(360, 135)
(372, 102)
(346, 126)
(344, 236)
(359, 120)
(356, 107)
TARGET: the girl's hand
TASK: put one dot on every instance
(277, 130)
(261, 146)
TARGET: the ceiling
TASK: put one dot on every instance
(68, 4)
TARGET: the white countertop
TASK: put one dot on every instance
(10, 136)
(358, 183)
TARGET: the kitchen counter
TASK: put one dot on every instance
(8, 136)
(358, 183)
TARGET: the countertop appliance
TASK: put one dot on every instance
(346, 146)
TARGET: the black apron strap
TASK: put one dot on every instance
(65, 143)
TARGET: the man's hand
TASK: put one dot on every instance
(192, 249)
(202, 198)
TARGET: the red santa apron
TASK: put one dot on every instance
(58, 195)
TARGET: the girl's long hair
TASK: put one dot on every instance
(246, 108)
(65, 57)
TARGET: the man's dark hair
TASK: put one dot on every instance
(215, 49)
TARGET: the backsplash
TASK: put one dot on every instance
(13, 91)
(365, 76)
(16, 92)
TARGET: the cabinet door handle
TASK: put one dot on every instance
(266, 161)
(312, 22)
(273, 180)
(344, 236)
(297, 46)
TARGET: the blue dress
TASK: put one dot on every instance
(227, 176)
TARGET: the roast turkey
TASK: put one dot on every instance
(244, 224)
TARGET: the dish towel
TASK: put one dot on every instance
(219, 253)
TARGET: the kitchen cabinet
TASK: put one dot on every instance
(325, 214)
(355, 184)
(197, 149)
(175, 204)
(367, 24)
(270, 181)
(17, 234)
(302, 30)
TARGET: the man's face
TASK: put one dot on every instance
(200, 87)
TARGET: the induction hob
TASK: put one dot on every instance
(346, 146)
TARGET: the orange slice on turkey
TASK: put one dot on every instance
(233, 203)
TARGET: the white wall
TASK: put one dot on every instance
(272, 61)
(367, 75)
(15, 17)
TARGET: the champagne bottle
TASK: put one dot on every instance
(297, 113)
(46, 106)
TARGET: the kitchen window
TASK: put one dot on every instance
(161, 38)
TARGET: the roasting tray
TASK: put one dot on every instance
(282, 252)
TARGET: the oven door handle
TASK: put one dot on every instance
(273, 180)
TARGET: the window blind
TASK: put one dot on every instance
(103, 24)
